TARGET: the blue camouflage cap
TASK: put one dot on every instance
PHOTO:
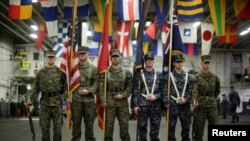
(149, 55)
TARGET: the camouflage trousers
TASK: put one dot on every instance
(122, 114)
(199, 120)
(86, 110)
(48, 113)
(153, 114)
(185, 119)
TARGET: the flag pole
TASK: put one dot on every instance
(170, 62)
(104, 111)
(69, 114)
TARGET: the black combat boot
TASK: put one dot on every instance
(237, 119)
(233, 119)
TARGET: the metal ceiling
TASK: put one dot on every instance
(19, 30)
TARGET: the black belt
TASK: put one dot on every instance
(51, 94)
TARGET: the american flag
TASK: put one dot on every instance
(70, 60)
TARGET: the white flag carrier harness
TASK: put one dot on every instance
(177, 92)
(146, 86)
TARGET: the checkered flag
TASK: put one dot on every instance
(60, 39)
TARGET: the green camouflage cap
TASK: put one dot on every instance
(51, 53)
(114, 52)
(205, 58)
(149, 55)
(83, 49)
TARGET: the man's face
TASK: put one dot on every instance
(51, 60)
(178, 64)
(115, 60)
(149, 62)
(205, 65)
(83, 56)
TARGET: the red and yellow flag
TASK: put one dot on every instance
(20, 9)
(230, 34)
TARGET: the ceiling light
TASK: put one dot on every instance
(34, 27)
(89, 33)
(244, 32)
(34, 0)
(34, 36)
(136, 24)
(196, 24)
(84, 24)
(134, 42)
(148, 23)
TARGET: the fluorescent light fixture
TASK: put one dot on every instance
(89, 33)
(248, 29)
(84, 24)
(148, 23)
(34, 27)
(196, 24)
(244, 32)
(134, 42)
(34, 0)
(34, 36)
(29, 87)
(136, 24)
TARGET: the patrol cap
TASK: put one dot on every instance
(51, 53)
(177, 56)
(206, 58)
(83, 49)
(114, 52)
(223, 95)
(149, 55)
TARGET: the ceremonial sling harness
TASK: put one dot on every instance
(146, 86)
(177, 92)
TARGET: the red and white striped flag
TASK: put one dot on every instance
(129, 10)
(122, 37)
(70, 60)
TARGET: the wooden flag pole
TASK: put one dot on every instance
(104, 111)
(169, 63)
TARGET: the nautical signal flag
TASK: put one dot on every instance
(20, 9)
(207, 31)
(161, 9)
(230, 34)
(188, 32)
(129, 10)
(191, 49)
(41, 34)
(190, 10)
(217, 12)
(82, 8)
(242, 9)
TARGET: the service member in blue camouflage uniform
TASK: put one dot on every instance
(180, 96)
(83, 101)
(147, 99)
(119, 84)
(51, 82)
(205, 91)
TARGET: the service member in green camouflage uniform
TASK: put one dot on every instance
(206, 89)
(83, 101)
(119, 83)
(50, 81)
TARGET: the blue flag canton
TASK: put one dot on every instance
(187, 32)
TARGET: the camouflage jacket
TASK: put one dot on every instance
(118, 81)
(179, 80)
(138, 99)
(89, 77)
(206, 89)
(49, 81)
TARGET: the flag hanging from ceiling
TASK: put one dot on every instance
(98, 25)
(129, 10)
(103, 59)
(230, 34)
(60, 38)
(189, 10)
(123, 29)
(150, 31)
(207, 31)
(188, 32)
(217, 12)
(20, 9)
(161, 9)
(242, 9)
(50, 16)
(191, 49)
(70, 61)
(158, 47)
(41, 34)
(82, 8)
